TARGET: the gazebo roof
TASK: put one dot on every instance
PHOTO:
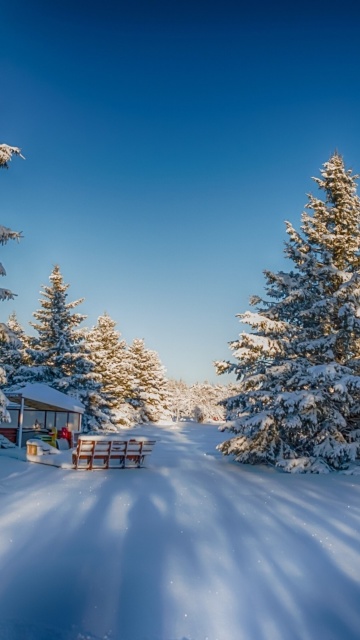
(41, 396)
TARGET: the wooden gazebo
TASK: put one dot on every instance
(36, 409)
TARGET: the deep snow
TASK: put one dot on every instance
(192, 547)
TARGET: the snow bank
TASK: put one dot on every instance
(5, 443)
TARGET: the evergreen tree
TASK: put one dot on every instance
(13, 357)
(111, 363)
(299, 368)
(149, 393)
(58, 355)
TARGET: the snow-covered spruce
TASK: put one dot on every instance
(299, 366)
(58, 355)
(111, 361)
(149, 386)
(13, 357)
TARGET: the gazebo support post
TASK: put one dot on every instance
(21, 419)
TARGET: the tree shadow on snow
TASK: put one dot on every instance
(193, 549)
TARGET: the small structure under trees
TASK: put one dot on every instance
(37, 409)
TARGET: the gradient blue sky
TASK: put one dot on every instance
(165, 144)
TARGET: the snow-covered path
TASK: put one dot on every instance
(193, 547)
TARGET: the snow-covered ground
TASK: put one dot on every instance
(192, 547)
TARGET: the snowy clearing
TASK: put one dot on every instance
(192, 547)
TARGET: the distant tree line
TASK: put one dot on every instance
(119, 384)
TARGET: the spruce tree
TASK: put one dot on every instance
(58, 354)
(111, 363)
(13, 357)
(299, 366)
(149, 393)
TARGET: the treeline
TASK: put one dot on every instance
(119, 384)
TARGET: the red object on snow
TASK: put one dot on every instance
(65, 433)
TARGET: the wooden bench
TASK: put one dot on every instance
(96, 452)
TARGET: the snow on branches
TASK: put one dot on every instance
(299, 365)
(6, 153)
(6, 234)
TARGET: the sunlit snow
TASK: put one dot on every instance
(192, 547)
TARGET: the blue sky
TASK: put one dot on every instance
(165, 145)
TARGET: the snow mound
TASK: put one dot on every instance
(5, 443)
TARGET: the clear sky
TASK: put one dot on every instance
(166, 143)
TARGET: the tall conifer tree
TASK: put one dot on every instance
(149, 384)
(58, 355)
(13, 356)
(111, 363)
(299, 367)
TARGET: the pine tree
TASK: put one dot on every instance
(111, 363)
(13, 357)
(299, 368)
(58, 355)
(149, 384)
